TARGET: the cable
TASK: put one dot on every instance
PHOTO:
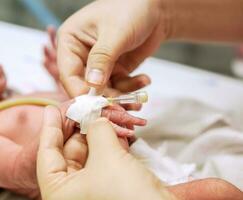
(27, 101)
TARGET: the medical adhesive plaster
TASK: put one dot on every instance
(86, 109)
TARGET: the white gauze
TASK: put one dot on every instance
(85, 110)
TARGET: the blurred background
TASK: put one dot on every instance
(38, 13)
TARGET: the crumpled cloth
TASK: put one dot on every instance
(164, 167)
(186, 139)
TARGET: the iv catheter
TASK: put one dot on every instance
(135, 97)
(139, 97)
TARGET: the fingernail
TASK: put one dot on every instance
(95, 76)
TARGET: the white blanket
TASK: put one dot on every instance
(190, 140)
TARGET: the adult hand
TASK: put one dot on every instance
(50, 63)
(112, 37)
(109, 172)
(106, 40)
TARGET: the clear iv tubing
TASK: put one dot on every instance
(136, 97)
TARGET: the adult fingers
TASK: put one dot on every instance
(102, 140)
(71, 58)
(122, 132)
(75, 152)
(103, 56)
(130, 84)
(122, 117)
(50, 159)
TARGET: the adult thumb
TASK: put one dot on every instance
(102, 139)
(102, 58)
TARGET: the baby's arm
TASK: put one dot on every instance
(19, 138)
(8, 154)
(16, 170)
(3, 81)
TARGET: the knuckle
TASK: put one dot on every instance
(64, 37)
(107, 114)
(74, 45)
(102, 55)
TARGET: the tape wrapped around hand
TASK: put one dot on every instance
(85, 110)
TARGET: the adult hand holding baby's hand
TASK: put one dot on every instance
(19, 143)
(109, 172)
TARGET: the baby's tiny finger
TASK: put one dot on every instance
(122, 132)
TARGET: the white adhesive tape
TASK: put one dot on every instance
(86, 109)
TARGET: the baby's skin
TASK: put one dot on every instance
(3, 82)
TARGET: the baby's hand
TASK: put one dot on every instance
(122, 121)
(3, 81)
(50, 54)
